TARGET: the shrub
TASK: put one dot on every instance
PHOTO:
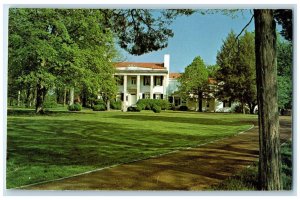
(164, 104)
(99, 107)
(75, 107)
(148, 104)
(116, 105)
(139, 108)
(172, 106)
(183, 108)
(50, 101)
(134, 109)
(239, 109)
(99, 101)
(156, 109)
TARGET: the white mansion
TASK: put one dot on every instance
(142, 81)
(154, 81)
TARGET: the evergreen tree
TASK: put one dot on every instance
(237, 70)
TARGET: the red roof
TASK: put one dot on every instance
(174, 75)
(140, 64)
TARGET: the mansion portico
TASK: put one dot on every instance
(142, 81)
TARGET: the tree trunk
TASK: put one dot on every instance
(243, 107)
(40, 96)
(19, 98)
(108, 104)
(28, 97)
(84, 98)
(65, 97)
(200, 101)
(266, 80)
(71, 96)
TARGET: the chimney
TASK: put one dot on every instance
(167, 62)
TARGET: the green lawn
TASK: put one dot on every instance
(62, 143)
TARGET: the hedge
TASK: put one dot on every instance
(148, 104)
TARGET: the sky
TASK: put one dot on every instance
(196, 35)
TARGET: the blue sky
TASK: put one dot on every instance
(196, 35)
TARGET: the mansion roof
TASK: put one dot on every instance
(140, 65)
(174, 75)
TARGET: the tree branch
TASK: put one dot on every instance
(244, 27)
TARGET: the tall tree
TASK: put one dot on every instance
(237, 70)
(266, 77)
(194, 80)
(51, 44)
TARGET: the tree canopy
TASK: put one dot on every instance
(237, 69)
(53, 47)
(194, 80)
(284, 73)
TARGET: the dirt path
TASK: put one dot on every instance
(193, 169)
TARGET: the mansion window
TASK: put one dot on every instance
(158, 96)
(158, 80)
(146, 96)
(226, 103)
(133, 80)
(146, 80)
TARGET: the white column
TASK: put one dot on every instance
(151, 87)
(138, 80)
(125, 93)
(165, 85)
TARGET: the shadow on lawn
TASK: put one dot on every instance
(193, 169)
(31, 112)
(73, 142)
(177, 119)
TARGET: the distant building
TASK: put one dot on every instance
(147, 80)
(139, 80)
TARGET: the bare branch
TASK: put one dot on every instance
(245, 27)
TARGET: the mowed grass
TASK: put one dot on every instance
(61, 143)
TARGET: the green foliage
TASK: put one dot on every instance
(50, 101)
(115, 105)
(75, 107)
(65, 47)
(212, 70)
(284, 92)
(284, 74)
(287, 166)
(99, 101)
(148, 104)
(172, 106)
(237, 69)
(141, 31)
(156, 109)
(183, 108)
(239, 109)
(194, 79)
(134, 109)
(99, 107)
(285, 18)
